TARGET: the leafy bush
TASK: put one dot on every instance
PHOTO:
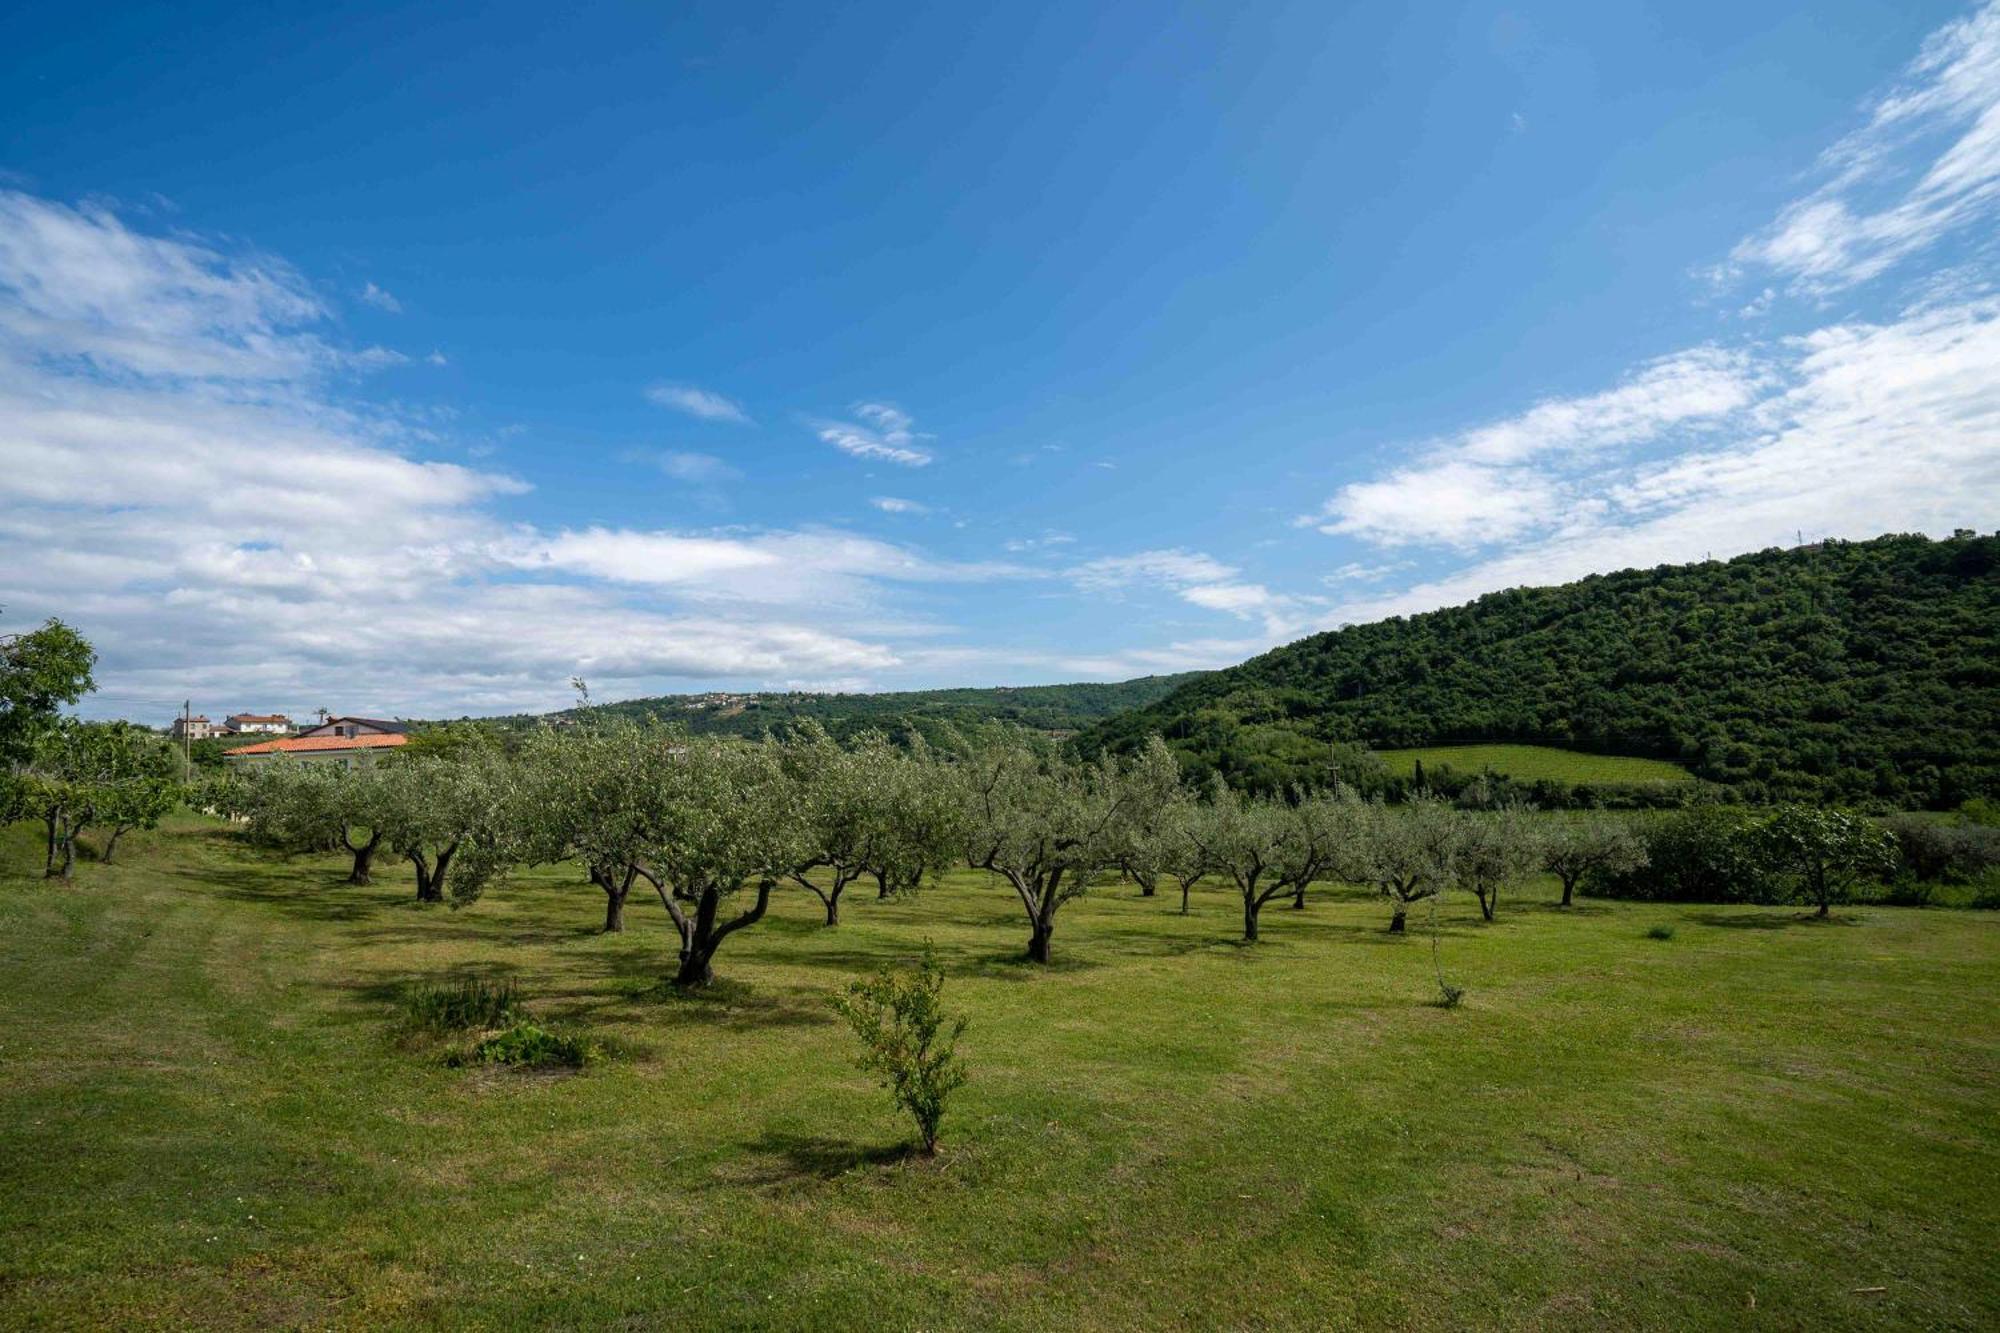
(908, 1039)
(1704, 854)
(1660, 933)
(462, 1006)
(1938, 852)
(525, 1045)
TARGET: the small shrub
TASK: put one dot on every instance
(525, 1045)
(908, 1039)
(462, 1006)
(1449, 996)
(1660, 933)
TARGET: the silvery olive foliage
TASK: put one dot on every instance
(1046, 823)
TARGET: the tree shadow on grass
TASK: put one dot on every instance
(1768, 920)
(1344, 932)
(1009, 965)
(307, 899)
(780, 1158)
(738, 1005)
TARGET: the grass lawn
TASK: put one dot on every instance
(1760, 1122)
(1529, 763)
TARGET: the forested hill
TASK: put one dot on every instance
(1054, 708)
(1852, 670)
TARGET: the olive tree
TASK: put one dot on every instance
(1047, 823)
(1181, 853)
(592, 794)
(454, 819)
(1405, 851)
(1272, 849)
(1576, 846)
(1822, 851)
(316, 807)
(730, 817)
(917, 819)
(1494, 850)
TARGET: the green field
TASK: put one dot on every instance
(205, 1119)
(1532, 763)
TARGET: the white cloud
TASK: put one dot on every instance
(1493, 483)
(1021, 545)
(881, 432)
(84, 288)
(380, 299)
(1355, 571)
(1871, 428)
(1924, 165)
(696, 402)
(180, 479)
(804, 569)
(1196, 578)
(890, 504)
(1175, 568)
(697, 469)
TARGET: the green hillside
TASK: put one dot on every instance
(1053, 708)
(1865, 671)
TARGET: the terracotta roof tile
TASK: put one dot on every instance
(320, 745)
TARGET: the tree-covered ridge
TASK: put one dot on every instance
(1049, 708)
(1862, 671)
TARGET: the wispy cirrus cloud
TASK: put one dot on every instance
(1495, 482)
(890, 504)
(879, 432)
(370, 294)
(1924, 165)
(1866, 427)
(1889, 422)
(702, 404)
(1196, 578)
(697, 469)
(84, 288)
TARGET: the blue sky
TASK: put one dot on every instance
(413, 360)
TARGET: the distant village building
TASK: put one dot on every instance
(357, 726)
(345, 751)
(349, 742)
(196, 728)
(271, 724)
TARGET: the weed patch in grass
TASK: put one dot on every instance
(437, 1009)
(527, 1046)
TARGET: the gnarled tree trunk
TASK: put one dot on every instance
(702, 935)
(431, 874)
(363, 854)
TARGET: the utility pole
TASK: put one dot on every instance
(187, 740)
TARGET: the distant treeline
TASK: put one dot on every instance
(1055, 709)
(1863, 672)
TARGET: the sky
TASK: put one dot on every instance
(412, 361)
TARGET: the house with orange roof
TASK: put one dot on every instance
(321, 747)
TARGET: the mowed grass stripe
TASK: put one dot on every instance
(1534, 763)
